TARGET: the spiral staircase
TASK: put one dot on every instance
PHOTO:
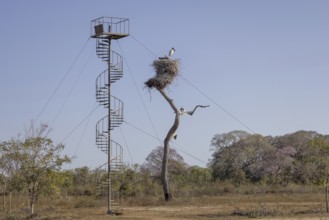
(106, 180)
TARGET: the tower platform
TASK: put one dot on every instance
(110, 28)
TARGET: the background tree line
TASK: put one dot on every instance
(32, 165)
(301, 157)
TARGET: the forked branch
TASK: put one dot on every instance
(192, 112)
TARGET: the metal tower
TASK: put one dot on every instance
(104, 30)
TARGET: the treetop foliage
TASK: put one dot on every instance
(300, 157)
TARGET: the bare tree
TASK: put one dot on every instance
(166, 71)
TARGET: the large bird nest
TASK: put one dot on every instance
(166, 71)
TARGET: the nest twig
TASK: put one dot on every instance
(166, 71)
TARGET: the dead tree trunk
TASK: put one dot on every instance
(166, 71)
(327, 205)
(171, 133)
(4, 197)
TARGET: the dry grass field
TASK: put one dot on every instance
(227, 206)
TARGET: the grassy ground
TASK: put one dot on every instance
(227, 206)
(232, 206)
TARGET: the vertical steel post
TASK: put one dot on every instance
(109, 208)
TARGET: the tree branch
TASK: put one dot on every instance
(192, 112)
(170, 101)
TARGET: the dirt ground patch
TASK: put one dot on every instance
(230, 207)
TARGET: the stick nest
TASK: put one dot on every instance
(166, 71)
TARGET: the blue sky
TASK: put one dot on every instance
(264, 62)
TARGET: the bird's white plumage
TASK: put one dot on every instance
(171, 52)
